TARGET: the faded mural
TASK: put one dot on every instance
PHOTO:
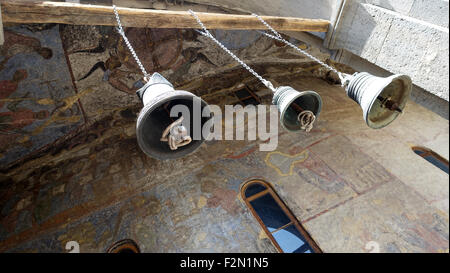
(37, 99)
(71, 169)
(56, 78)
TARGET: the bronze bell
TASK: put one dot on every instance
(292, 104)
(381, 99)
(164, 137)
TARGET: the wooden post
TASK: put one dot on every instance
(2, 37)
(81, 14)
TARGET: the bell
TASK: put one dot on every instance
(298, 110)
(381, 99)
(164, 137)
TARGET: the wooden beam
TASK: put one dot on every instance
(2, 36)
(81, 14)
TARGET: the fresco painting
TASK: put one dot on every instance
(88, 180)
(34, 80)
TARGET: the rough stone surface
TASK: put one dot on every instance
(419, 51)
(397, 39)
(431, 11)
(322, 9)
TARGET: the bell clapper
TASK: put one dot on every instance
(176, 135)
(158, 95)
(389, 104)
(305, 117)
(354, 85)
(130, 47)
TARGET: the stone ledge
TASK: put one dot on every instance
(399, 44)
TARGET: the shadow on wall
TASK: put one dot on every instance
(356, 36)
(319, 9)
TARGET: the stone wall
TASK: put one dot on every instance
(409, 37)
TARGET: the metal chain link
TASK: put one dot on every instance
(267, 25)
(281, 39)
(206, 33)
(122, 32)
(306, 117)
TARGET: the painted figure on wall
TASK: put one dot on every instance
(12, 122)
(158, 49)
(34, 79)
(17, 43)
(7, 87)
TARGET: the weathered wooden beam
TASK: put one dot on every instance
(81, 14)
(2, 37)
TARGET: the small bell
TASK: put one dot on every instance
(161, 136)
(381, 99)
(298, 110)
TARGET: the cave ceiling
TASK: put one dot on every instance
(58, 80)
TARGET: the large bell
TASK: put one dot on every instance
(293, 105)
(381, 99)
(157, 132)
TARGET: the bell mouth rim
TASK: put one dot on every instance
(407, 87)
(300, 94)
(144, 113)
